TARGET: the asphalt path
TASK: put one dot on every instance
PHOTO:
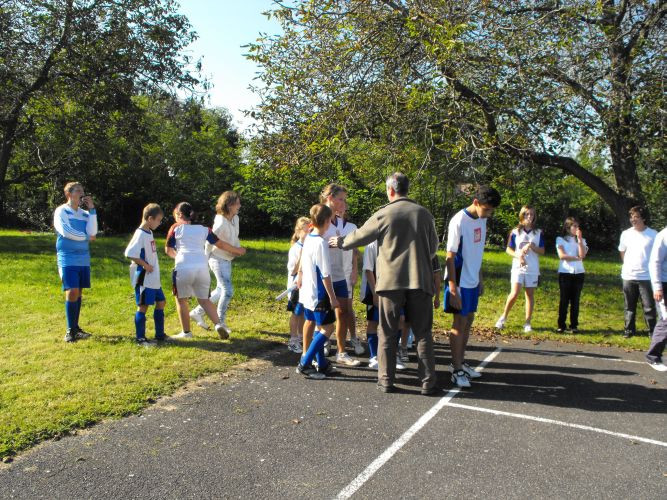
(545, 420)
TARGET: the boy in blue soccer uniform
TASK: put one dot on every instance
(145, 273)
(317, 295)
(74, 227)
(466, 237)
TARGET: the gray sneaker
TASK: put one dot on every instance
(70, 336)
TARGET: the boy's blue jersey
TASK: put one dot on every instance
(73, 230)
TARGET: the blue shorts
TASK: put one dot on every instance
(320, 318)
(148, 296)
(469, 300)
(373, 313)
(75, 277)
(340, 289)
(297, 309)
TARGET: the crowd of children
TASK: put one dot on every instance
(321, 278)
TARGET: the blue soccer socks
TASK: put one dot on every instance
(372, 339)
(316, 346)
(158, 317)
(70, 312)
(140, 324)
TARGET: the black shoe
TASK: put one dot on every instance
(329, 371)
(386, 388)
(431, 391)
(164, 338)
(574, 329)
(627, 334)
(70, 336)
(81, 334)
(560, 330)
(310, 372)
(144, 342)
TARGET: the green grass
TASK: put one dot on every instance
(49, 388)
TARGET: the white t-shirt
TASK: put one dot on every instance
(658, 261)
(292, 259)
(466, 237)
(335, 254)
(519, 239)
(228, 231)
(189, 240)
(637, 247)
(142, 246)
(345, 228)
(369, 260)
(315, 265)
(571, 248)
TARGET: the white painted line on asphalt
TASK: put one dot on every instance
(564, 354)
(558, 422)
(368, 472)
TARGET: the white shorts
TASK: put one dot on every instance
(191, 282)
(527, 280)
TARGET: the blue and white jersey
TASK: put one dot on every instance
(466, 236)
(336, 254)
(369, 262)
(657, 264)
(142, 246)
(315, 266)
(73, 230)
(520, 238)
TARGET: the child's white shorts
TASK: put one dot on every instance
(192, 282)
(527, 280)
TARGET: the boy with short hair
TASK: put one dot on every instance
(465, 247)
(74, 227)
(145, 272)
(317, 295)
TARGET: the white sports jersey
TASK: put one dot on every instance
(519, 239)
(292, 259)
(658, 261)
(466, 237)
(369, 261)
(228, 231)
(74, 229)
(336, 254)
(345, 228)
(315, 265)
(188, 240)
(637, 247)
(142, 246)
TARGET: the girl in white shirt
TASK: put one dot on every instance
(572, 250)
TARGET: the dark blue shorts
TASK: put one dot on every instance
(148, 296)
(340, 289)
(469, 301)
(75, 277)
(320, 317)
(297, 309)
(372, 313)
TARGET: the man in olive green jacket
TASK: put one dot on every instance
(407, 245)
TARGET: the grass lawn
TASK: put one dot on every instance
(48, 387)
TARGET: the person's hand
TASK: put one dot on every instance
(87, 201)
(92, 237)
(436, 301)
(375, 300)
(148, 267)
(658, 295)
(579, 234)
(241, 251)
(298, 280)
(333, 242)
(455, 299)
(522, 260)
(353, 277)
(334, 303)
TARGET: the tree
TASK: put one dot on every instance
(471, 80)
(91, 54)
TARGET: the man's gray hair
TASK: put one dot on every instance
(399, 183)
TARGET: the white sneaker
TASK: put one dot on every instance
(223, 333)
(411, 339)
(399, 364)
(344, 359)
(460, 378)
(224, 325)
(358, 347)
(327, 348)
(500, 324)
(527, 328)
(373, 362)
(198, 317)
(469, 371)
(182, 335)
(295, 346)
(658, 366)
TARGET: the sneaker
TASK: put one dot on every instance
(574, 329)
(70, 335)
(223, 333)
(500, 324)
(358, 347)
(627, 334)
(81, 334)
(411, 339)
(657, 365)
(164, 338)
(198, 317)
(460, 378)
(295, 346)
(469, 370)
(329, 370)
(527, 328)
(144, 342)
(344, 359)
(182, 335)
(224, 324)
(373, 362)
(399, 364)
(310, 372)
(560, 330)
(403, 354)
(327, 348)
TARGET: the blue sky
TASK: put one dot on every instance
(223, 26)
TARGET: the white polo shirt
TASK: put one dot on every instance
(637, 247)
(466, 237)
